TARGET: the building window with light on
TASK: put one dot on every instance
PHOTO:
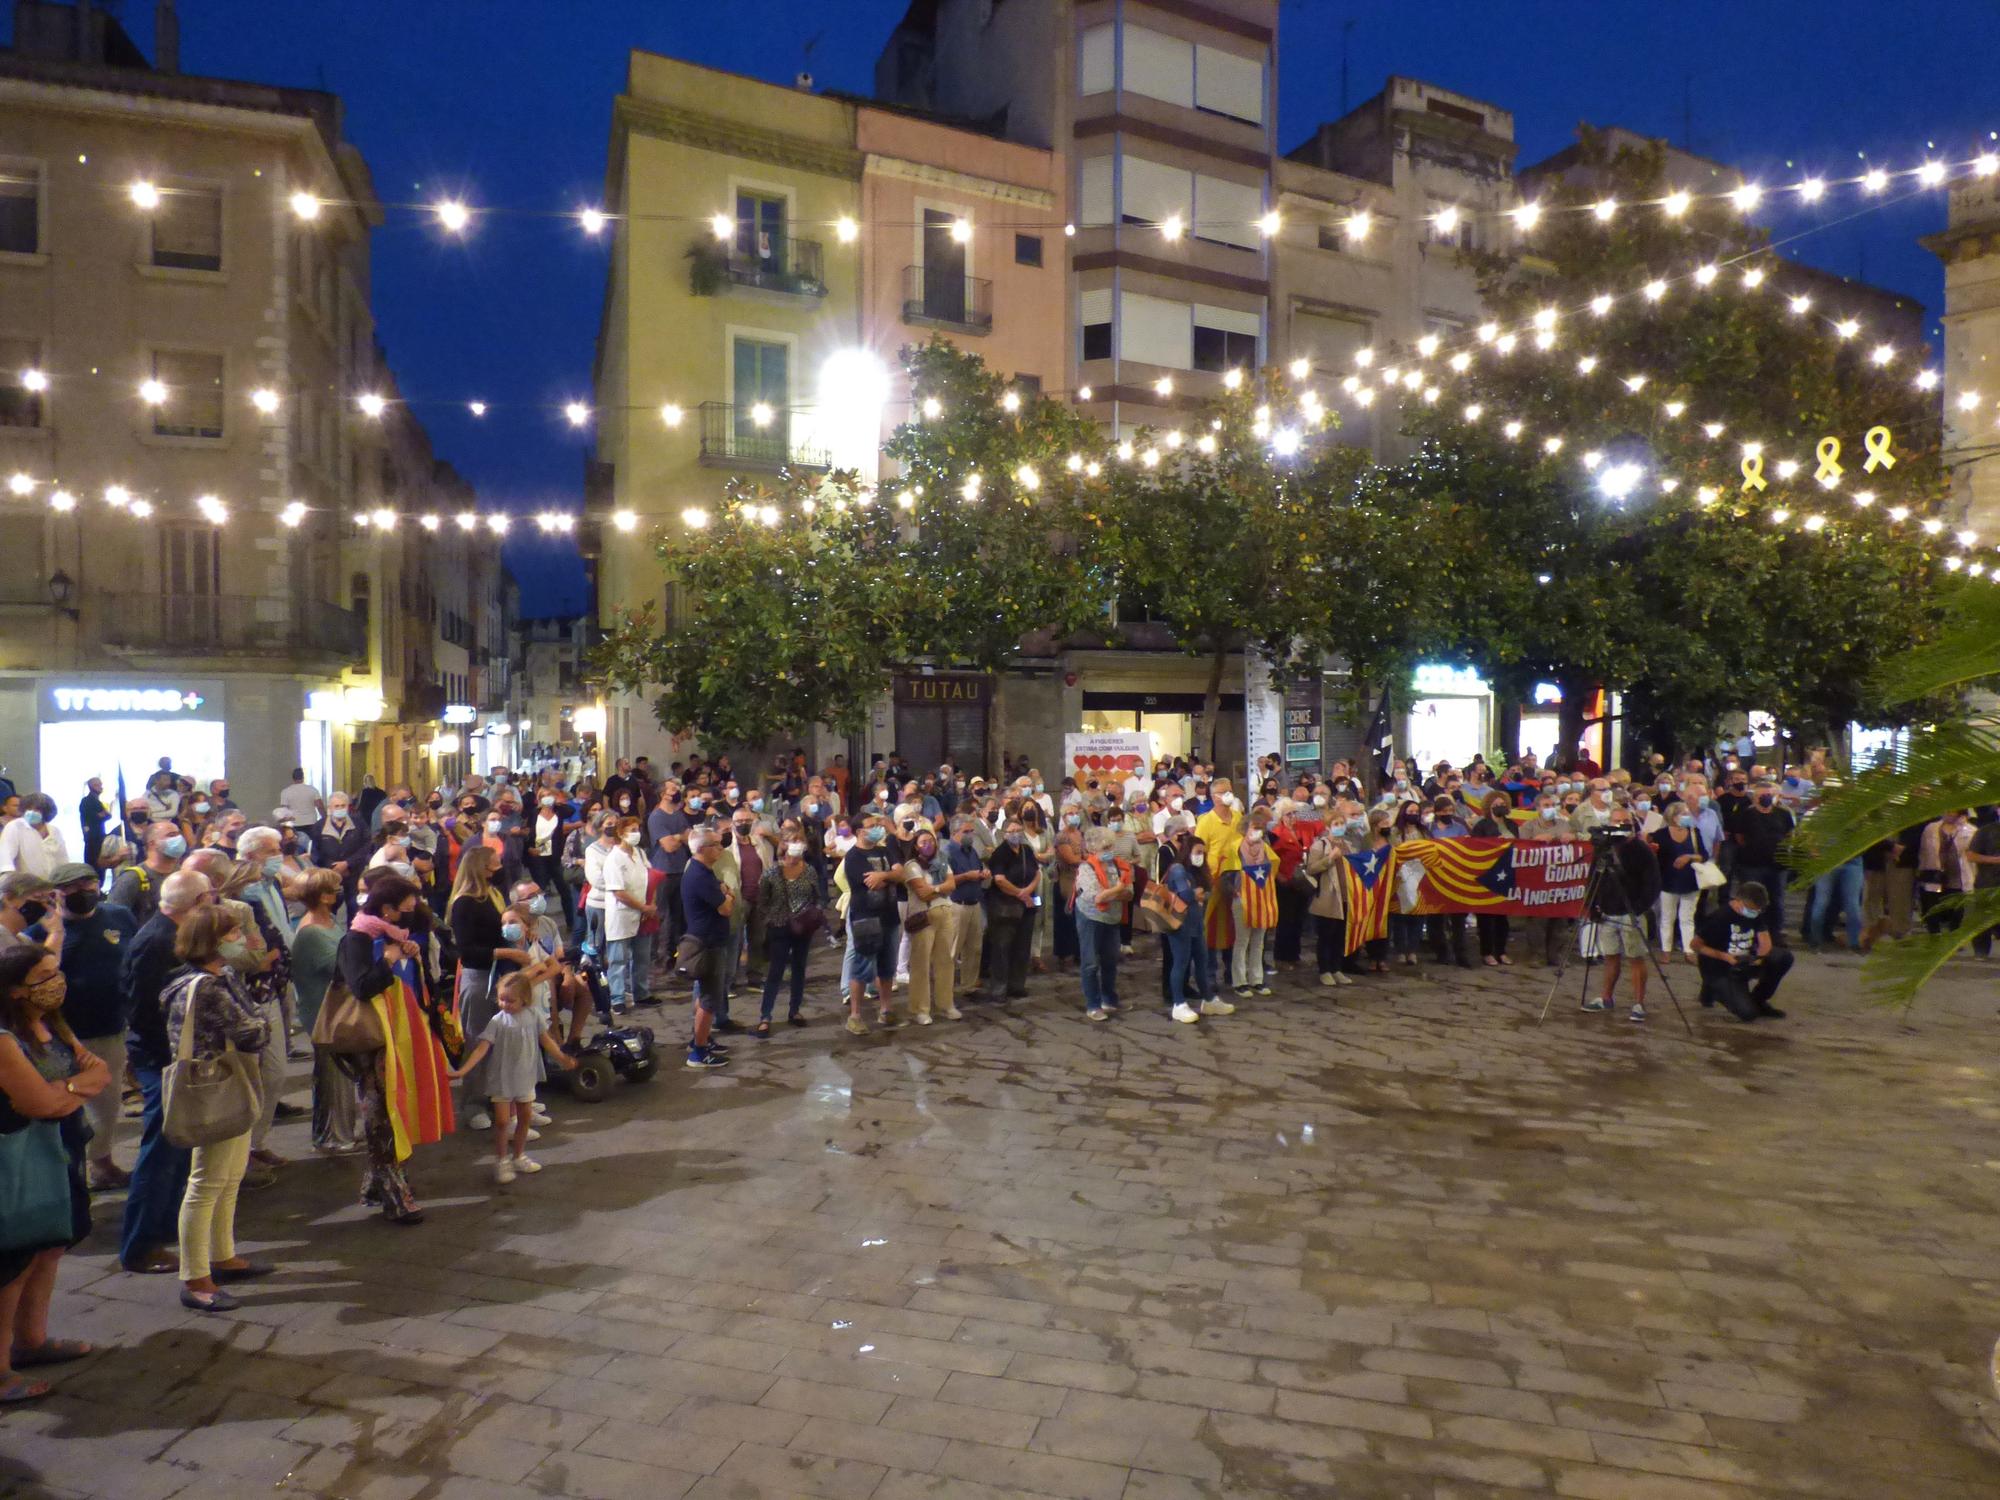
(20, 207)
(194, 403)
(187, 229)
(22, 383)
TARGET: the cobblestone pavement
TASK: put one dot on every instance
(1403, 1243)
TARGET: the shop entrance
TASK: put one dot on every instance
(1450, 729)
(74, 750)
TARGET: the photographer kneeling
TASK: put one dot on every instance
(1625, 886)
(1733, 944)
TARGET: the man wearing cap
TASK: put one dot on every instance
(96, 935)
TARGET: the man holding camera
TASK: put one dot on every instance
(1740, 967)
(1625, 886)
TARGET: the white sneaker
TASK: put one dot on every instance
(540, 1116)
(954, 1014)
(503, 1170)
(534, 1134)
(1340, 977)
(1186, 1014)
(1328, 980)
(526, 1164)
(1217, 1008)
(923, 1019)
(479, 1120)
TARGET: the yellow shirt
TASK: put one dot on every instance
(1222, 838)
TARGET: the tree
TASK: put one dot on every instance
(1696, 601)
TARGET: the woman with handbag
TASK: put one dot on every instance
(46, 1076)
(928, 921)
(315, 950)
(1679, 848)
(376, 1024)
(789, 901)
(211, 1013)
(1183, 888)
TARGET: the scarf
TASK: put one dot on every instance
(378, 927)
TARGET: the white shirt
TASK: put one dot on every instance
(35, 851)
(593, 873)
(546, 824)
(624, 871)
(301, 800)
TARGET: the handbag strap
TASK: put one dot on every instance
(184, 1046)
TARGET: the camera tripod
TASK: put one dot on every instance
(1603, 869)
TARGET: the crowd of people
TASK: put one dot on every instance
(405, 943)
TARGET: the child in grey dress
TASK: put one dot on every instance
(512, 1037)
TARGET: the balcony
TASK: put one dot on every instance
(765, 437)
(792, 267)
(932, 300)
(231, 625)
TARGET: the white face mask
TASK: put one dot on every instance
(633, 838)
(1319, 802)
(795, 850)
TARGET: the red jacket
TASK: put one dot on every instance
(1290, 844)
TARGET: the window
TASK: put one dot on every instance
(20, 207)
(194, 403)
(1152, 193)
(1029, 386)
(1027, 249)
(1227, 212)
(1459, 235)
(19, 406)
(1096, 62)
(1094, 191)
(762, 376)
(1225, 339)
(1160, 67)
(1154, 331)
(1228, 84)
(1329, 337)
(187, 229)
(1094, 314)
(760, 229)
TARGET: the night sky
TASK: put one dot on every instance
(508, 103)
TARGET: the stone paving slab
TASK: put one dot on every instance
(1395, 1240)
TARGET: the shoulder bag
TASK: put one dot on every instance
(1708, 875)
(207, 1101)
(1160, 910)
(346, 1025)
(34, 1188)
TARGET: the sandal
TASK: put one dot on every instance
(15, 1389)
(1491, 962)
(51, 1352)
(1506, 962)
(763, 1029)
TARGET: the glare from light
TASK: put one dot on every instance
(292, 515)
(1358, 224)
(1487, 332)
(468, 520)
(265, 400)
(62, 500)
(1460, 362)
(592, 220)
(212, 509)
(1027, 478)
(1601, 304)
(152, 392)
(625, 520)
(497, 524)
(846, 230)
(1882, 354)
(1585, 365)
(1847, 327)
(452, 216)
(694, 518)
(933, 407)
(1474, 412)
(1813, 189)
(1011, 402)
(1874, 180)
(1552, 445)
(20, 484)
(1171, 227)
(1285, 442)
(1864, 498)
(1781, 515)
(1164, 386)
(1673, 409)
(385, 518)
(1232, 379)
(1270, 224)
(141, 509)
(305, 207)
(1655, 289)
(1814, 523)
(1899, 512)
(961, 230)
(1931, 173)
(430, 520)
(761, 414)
(1985, 164)
(722, 226)
(1754, 277)
(1788, 468)
(1927, 380)
(1512, 429)
(34, 380)
(1635, 383)
(144, 196)
(1705, 276)
(1676, 203)
(371, 404)
(477, 408)
(117, 496)
(577, 413)
(1801, 303)
(1604, 210)
(1747, 197)
(1968, 400)
(1619, 480)
(1526, 216)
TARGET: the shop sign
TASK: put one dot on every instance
(1439, 679)
(460, 713)
(113, 700)
(1303, 704)
(951, 690)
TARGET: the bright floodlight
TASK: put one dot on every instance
(592, 220)
(153, 392)
(1619, 480)
(577, 413)
(305, 207)
(854, 388)
(144, 195)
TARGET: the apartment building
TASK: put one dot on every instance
(549, 666)
(1969, 246)
(778, 249)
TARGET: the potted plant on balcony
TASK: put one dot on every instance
(708, 268)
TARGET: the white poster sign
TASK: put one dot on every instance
(1263, 711)
(1123, 753)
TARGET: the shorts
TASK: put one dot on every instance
(1612, 937)
(501, 1099)
(865, 965)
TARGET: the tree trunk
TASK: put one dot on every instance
(1211, 703)
(1508, 740)
(1576, 697)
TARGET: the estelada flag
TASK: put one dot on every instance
(1366, 882)
(1469, 873)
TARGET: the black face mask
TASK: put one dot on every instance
(80, 903)
(727, 839)
(138, 820)
(33, 911)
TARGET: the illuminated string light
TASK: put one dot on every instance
(1874, 180)
(144, 196)
(1270, 224)
(452, 216)
(265, 400)
(1747, 197)
(846, 230)
(625, 520)
(1676, 203)
(1527, 215)
(961, 231)
(1604, 210)
(305, 207)
(371, 404)
(35, 381)
(592, 220)
(1813, 189)
(722, 226)
(1358, 225)
(153, 392)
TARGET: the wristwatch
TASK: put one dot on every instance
(68, 1086)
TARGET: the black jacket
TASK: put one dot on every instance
(1633, 870)
(149, 960)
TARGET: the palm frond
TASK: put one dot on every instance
(1895, 971)
(1952, 766)
(1966, 651)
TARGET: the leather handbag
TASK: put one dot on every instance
(34, 1188)
(806, 921)
(206, 1100)
(865, 933)
(1160, 910)
(346, 1025)
(917, 920)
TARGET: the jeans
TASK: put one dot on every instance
(1406, 933)
(208, 1212)
(1745, 990)
(618, 963)
(159, 1181)
(782, 951)
(104, 1110)
(1186, 951)
(1842, 885)
(1097, 962)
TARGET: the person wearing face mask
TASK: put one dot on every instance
(32, 843)
(667, 829)
(1011, 902)
(967, 865)
(932, 913)
(1254, 911)
(542, 847)
(1759, 830)
(137, 886)
(29, 901)
(1327, 905)
(872, 874)
(47, 1079)
(789, 900)
(95, 937)
(1067, 849)
(342, 846)
(621, 875)
(258, 882)
(1678, 846)
(209, 1011)
(1741, 967)
(1944, 873)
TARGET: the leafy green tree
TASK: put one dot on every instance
(1695, 600)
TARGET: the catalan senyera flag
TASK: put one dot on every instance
(1367, 886)
(1471, 873)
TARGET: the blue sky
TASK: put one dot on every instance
(508, 103)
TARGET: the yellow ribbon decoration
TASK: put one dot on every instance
(1877, 439)
(1829, 468)
(1753, 472)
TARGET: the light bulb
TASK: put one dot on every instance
(1474, 412)
(1847, 327)
(1676, 203)
(452, 215)
(1269, 224)
(761, 414)
(265, 400)
(34, 380)
(144, 196)
(1754, 277)
(1302, 367)
(477, 408)
(846, 230)
(1604, 210)
(1931, 173)
(1358, 224)
(625, 520)
(1164, 386)
(1170, 227)
(141, 509)
(1874, 180)
(1706, 275)
(1231, 379)
(1083, 393)
(722, 226)
(371, 404)
(592, 220)
(1655, 290)
(961, 230)
(61, 500)
(1747, 196)
(1011, 402)
(117, 496)
(1526, 215)
(152, 392)
(671, 414)
(305, 207)
(1601, 304)
(1812, 189)
(577, 413)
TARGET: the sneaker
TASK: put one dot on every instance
(922, 1020)
(1263, 989)
(1597, 1006)
(526, 1164)
(1217, 1007)
(1638, 1015)
(1186, 1014)
(479, 1120)
(856, 1026)
(889, 1021)
(705, 1057)
(503, 1171)
(953, 1013)
(1343, 979)
(1097, 1013)
(1125, 951)
(1246, 993)
(534, 1134)
(258, 1177)
(541, 1114)
(1328, 981)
